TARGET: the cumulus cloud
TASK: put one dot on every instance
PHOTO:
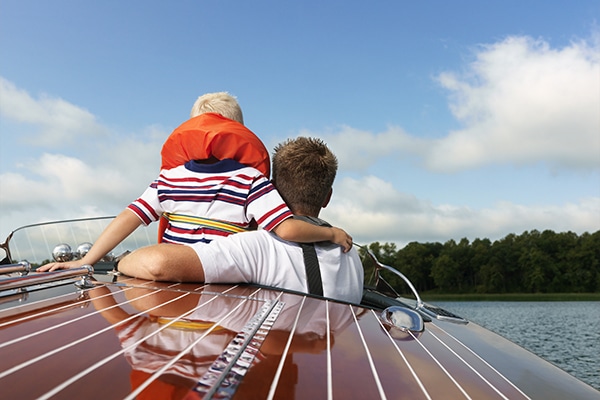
(56, 187)
(379, 212)
(58, 181)
(110, 168)
(58, 122)
(523, 102)
(520, 102)
(357, 150)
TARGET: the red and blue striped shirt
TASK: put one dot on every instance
(225, 191)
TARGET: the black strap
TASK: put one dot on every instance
(311, 262)
(313, 270)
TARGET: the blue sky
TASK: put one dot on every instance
(450, 119)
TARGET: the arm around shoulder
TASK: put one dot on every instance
(295, 230)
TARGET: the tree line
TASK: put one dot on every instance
(533, 262)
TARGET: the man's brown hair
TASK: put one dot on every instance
(303, 172)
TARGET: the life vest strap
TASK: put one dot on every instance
(187, 324)
(223, 226)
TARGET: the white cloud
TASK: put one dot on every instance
(58, 187)
(357, 150)
(535, 105)
(523, 102)
(110, 169)
(60, 182)
(371, 210)
(58, 122)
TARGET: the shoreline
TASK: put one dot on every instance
(432, 297)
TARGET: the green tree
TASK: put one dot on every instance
(584, 264)
(415, 261)
(446, 273)
(480, 258)
(492, 278)
(531, 262)
(535, 265)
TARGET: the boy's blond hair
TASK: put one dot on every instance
(303, 173)
(221, 103)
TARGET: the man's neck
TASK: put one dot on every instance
(312, 220)
(298, 212)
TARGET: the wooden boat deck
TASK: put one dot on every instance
(139, 339)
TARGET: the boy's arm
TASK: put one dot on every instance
(294, 230)
(121, 227)
(103, 300)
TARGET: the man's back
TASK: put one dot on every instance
(261, 257)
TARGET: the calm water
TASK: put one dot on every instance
(564, 333)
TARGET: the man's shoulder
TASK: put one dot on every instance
(256, 236)
(312, 220)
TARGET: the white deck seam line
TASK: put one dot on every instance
(410, 368)
(52, 310)
(285, 352)
(168, 365)
(50, 328)
(100, 363)
(486, 363)
(440, 365)
(114, 355)
(156, 290)
(369, 357)
(38, 314)
(470, 366)
(80, 340)
(329, 366)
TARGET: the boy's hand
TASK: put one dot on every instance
(61, 265)
(342, 238)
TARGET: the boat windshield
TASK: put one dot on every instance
(36, 243)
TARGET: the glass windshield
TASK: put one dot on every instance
(35, 243)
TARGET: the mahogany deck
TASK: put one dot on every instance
(139, 339)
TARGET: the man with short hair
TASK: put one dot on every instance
(303, 172)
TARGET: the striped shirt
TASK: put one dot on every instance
(225, 191)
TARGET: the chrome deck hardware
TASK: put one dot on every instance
(420, 305)
(35, 279)
(23, 267)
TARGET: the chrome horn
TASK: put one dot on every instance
(63, 252)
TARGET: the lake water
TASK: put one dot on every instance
(565, 333)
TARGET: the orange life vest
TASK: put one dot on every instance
(211, 134)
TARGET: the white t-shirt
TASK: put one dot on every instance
(263, 258)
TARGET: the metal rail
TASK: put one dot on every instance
(23, 267)
(420, 305)
(45, 277)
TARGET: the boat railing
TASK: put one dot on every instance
(19, 282)
(381, 284)
(22, 267)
